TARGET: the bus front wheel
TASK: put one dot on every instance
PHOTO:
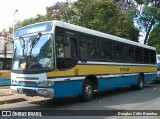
(87, 91)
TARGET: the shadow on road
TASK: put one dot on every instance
(118, 96)
(102, 100)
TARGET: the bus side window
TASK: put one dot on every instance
(9, 64)
(66, 47)
(59, 46)
(87, 47)
(73, 47)
(104, 51)
(83, 50)
(118, 49)
(66, 52)
(1, 64)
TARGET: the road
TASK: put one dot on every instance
(118, 99)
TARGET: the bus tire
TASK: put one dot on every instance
(87, 91)
(140, 83)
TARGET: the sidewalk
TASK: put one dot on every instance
(6, 96)
(5, 90)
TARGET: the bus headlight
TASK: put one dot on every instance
(50, 83)
(45, 83)
(14, 81)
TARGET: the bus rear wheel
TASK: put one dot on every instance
(87, 91)
(140, 83)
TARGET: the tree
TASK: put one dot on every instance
(100, 15)
(60, 11)
(147, 16)
(105, 16)
(84, 12)
(38, 18)
(154, 39)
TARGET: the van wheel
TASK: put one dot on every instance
(87, 91)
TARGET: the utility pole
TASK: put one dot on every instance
(14, 22)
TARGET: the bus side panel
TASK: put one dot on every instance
(150, 77)
(5, 78)
(114, 82)
(5, 81)
(67, 88)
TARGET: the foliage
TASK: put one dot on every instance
(38, 18)
(147, 16)
(101, 15)
(154, 38)
(60, 11)
(104, 16)
(123, 19)
(108, 18)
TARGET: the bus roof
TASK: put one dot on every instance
(95, 33)
(100, 34)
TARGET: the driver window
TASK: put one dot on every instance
(60, 46)
(65, 46)
(66, 51)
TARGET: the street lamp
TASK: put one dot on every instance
(14, 21)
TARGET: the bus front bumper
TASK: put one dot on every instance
(30, 91)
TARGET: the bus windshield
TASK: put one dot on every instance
(33, 52)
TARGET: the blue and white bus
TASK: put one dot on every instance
(56, 59)
(5, 68)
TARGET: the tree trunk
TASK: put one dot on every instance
(148, 32)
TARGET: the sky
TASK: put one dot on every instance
(26, 9)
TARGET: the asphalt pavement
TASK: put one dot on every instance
(6, 96)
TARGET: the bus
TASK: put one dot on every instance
(158, 67)
(55, 59)
(158, 58)
(5, 67)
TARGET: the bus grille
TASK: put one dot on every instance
(28, 83)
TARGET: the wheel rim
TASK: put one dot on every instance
(141, 82)
(88, 90)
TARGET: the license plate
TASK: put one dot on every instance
(26, 91)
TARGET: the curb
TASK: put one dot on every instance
(5, 92)
(7, 97)
(12, 101)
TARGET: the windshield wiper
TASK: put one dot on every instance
(35, 40)
(22, 43)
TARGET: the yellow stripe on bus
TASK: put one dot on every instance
(5, 74)
(99, 69)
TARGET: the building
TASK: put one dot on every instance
(6, 45)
